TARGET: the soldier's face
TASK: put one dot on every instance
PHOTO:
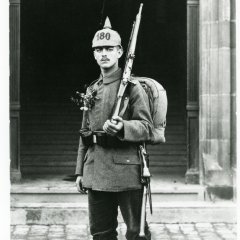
(108, 56)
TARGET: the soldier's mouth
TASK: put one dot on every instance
(105, 60)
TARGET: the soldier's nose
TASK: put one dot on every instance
(104, 52)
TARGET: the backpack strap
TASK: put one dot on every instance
(133, 81)
(125, 104)
(125, 100)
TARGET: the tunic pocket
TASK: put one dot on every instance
(126, 159)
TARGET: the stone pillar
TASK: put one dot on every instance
(14, 15)
(233, 94)
(192, 174)
(215, 81)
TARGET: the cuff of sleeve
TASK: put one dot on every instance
(123, 134)
(120, 134)
(78, 175)
(79, 171)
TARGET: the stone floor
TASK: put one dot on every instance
(196, 231)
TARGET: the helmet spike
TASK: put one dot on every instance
(107, 23)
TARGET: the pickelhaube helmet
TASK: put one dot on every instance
(106, 36)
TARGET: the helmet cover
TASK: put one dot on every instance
(106, 36)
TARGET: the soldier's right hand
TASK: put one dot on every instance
(79, 185)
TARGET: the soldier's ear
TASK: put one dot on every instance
(94, 54)
(120, 52)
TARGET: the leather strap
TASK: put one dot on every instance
(125, 104)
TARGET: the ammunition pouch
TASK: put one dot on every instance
(100, 138)
(86, 136)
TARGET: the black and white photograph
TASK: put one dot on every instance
(122, 120)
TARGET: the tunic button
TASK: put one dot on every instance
(128, 160)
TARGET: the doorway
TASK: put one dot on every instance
(56, 60)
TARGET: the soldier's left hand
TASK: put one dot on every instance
(112, 128)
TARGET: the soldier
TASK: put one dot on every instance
(108, 165)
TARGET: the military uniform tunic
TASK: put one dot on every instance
(115, 168)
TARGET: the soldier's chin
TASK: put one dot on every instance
(106, 65)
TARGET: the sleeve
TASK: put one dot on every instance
(82, 149)
(139, 127)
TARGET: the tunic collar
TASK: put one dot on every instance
(113, 77)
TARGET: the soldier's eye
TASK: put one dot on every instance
(98, 50)
(110, 49)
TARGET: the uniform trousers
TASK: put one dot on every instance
(103, 212)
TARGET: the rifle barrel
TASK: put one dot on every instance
(135, 31)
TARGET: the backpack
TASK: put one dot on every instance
(158, 107)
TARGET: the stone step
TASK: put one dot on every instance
(46, 169)
(62, 137)
(72, 150)
(70, 169)
(50, 141)
(70, 159)
(164, 212)
(69, 194)
(57, 189)
(68, 119)
(50, 200)
(55, 114)
(73, 145)
(178, 169)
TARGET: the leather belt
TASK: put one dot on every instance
(100, 138)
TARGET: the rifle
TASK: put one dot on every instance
(128, 63)
(142, 149)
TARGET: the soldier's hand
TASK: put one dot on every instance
(79, 185)
(112, 128)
